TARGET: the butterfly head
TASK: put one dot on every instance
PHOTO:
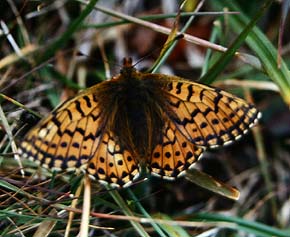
(127, 68)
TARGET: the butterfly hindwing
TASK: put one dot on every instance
(113, 163)
(174, 154)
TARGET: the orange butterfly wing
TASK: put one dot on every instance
(206, 116)
(112, 163)
(174, 154)
(198, 116)
(73, 136)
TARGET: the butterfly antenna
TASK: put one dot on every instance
(177, 37)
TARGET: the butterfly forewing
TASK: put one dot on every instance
(207, 116)
(67, 138)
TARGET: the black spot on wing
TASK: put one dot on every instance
(79, 109)
(88, 101)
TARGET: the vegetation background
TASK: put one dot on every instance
(51, 49)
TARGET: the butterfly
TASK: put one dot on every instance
(138, 121)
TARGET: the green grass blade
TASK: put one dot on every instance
(172, 230)
(253, 227)
(74, 26)
(146, 214)
(220, 65)
(206, 181)
(263, 48)
(124, 207)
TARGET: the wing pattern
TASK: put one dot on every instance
(174, 154)
(112, 163)
(72, 136)
(208, 116)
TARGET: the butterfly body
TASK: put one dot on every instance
(160, 122)
(139, 115)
